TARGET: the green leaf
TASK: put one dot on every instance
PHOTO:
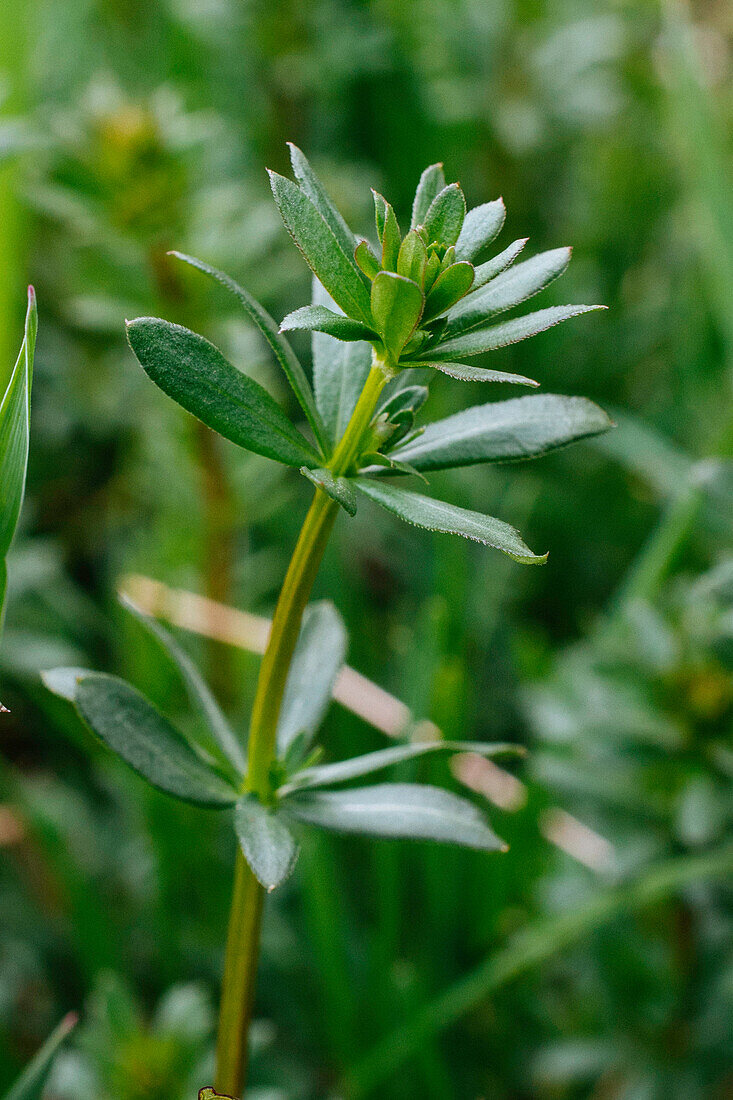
(380, 213)
(436, 515)
(15, 409)
(315, 191)
(509, 289)
(391, 240)
(339, 372)
(444, 218)
(412, 258)
(131, 726)
(339, 489)
(394, 810)
(493, 267)
(476, 374)
(328, 775)
(198, 690)
(366, 260)
(396, 307)
(281, 349)
(432, 182)
(30, 1084)
(197, 376)
(508, 332)
(266, 842)
(450, 286)
(480, 226)
(504, 431)
(317, 661)
(322, 319)
(321, 250)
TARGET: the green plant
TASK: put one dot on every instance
(15, 413)
(381, 324)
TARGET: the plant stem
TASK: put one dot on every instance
(243, 938)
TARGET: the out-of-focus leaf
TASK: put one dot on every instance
(321, 319)
(436, 515)
(396, 306)
(29, 1085)
(321, 250)
(131, 726)
(281, 349)
(477, 374)
(397, 810)
(328, 775)
(64, 681)
(266, 842)
(509, 289)
(15, 411)
(432, 182)
(509, 332)
(480, 226)
(339, 489)
(493, 267)
(504, 431)
(315, 191)
(197, 688)
(444, 219)
(196, 375)
(450, 286)
(339, 372)
(316, 663)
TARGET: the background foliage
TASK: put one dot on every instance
(129, 128)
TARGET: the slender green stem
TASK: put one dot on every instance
(243, 938)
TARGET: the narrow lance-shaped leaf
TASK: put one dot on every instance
(465, 373)
(509, 289)
(316, 663)
(397, 810)
(339, 372)
(281, 349)
(505, 431)
(480, 226)
(321, 250)
(396, 306)
(328, 775)
(197, 376)
(448, 288)
(316, 192)
(198, 690)
(444, 218)
(131, 726)
(391, 240)
(412, 258)
(432, 182)
(436, 515)
(266, 842)
(492, 337)
(322, 319)
(483, 273)
(339, 489)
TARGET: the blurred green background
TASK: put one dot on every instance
(595, 959)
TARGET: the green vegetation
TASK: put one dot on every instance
(581, 712)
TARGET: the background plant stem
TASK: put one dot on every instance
(243, 937)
